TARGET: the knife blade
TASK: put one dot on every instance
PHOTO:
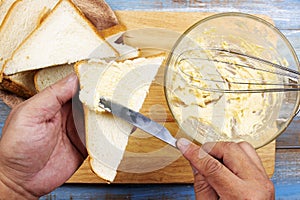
(138, 120)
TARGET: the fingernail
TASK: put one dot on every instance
(183, 144)
(207, 147)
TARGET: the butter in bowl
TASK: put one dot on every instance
(233, 77)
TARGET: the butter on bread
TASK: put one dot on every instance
(65, 36)
(125, 82)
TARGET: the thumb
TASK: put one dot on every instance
(47, 103)
(214, 172)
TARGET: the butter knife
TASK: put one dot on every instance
(138, 120)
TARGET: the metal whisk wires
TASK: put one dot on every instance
(229, 71)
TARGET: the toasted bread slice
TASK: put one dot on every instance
(11, 100)
(48, 76)
(20, 84)
(98, 12)
(65, 36)
(125, 82)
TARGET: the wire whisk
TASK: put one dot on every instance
(230, 71)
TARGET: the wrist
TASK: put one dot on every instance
(7, 192)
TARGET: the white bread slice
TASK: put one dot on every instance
(4, 8)
(114, 36)
(48, 76)
(21, 84)
(65, 36)
(125, 82)
(23, 17)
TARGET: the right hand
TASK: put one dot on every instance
(227, 170)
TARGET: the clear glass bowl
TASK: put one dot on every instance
(257, 118)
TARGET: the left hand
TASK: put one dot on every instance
(40, 148)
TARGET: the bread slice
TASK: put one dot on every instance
(114, 36)
(24, 82)
(125, 82)
(23, 17)
(11, 100)
(20, 84)
(4, 8)
(48, 76)
(65, 36)
(98, 12)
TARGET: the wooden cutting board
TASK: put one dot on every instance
(150, 159)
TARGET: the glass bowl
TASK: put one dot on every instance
(210, 116)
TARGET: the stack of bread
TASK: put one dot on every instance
(42, 41)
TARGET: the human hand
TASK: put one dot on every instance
(40, 148)
(227, 170)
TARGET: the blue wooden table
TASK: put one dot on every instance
(286, 15)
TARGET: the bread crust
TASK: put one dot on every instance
(76, 69)
(9, 10)
(102, 18)
(1, 27)
(36, 85)
(113, 30)
(20, 90)
(11, 100)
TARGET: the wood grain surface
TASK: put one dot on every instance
(285, 13)
(166, 166)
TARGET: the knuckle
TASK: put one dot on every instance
(244, 144)
(270, 186)
(52, 92)
(192, 152)
(230, 145)
(212, 166)
(201, 186)
(262, 190)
